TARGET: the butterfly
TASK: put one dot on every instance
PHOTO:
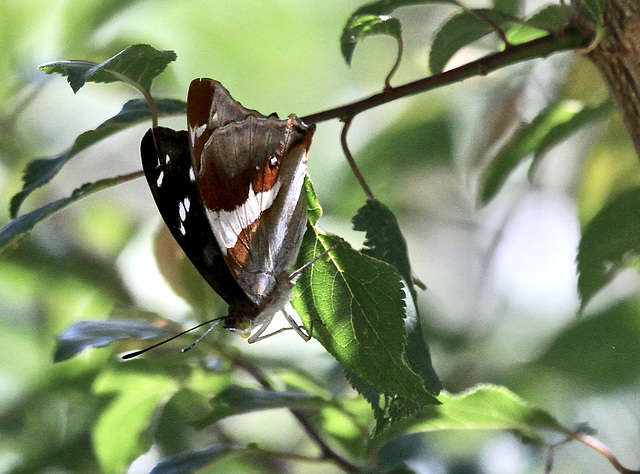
(231, 191)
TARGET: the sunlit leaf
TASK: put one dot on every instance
(528, 138)
(383, 238)
(356, 304)
(609, 243)
(463, 29)
(39, 172)
(118, 435)
(314, 210)
(85, 334)
(138, 64)
(573, 123)
(484, 407)
(384, 7)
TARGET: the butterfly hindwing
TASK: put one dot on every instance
(249, 170)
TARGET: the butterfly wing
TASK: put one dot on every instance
(249, 172)
(166, 163)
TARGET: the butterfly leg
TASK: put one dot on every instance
(257, 336)
(296, 273)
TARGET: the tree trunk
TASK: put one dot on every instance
(618, 58)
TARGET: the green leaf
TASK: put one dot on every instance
(549, 18)
(360, 27)
(484, 407)
(189, 461)
(528, 138)
(383, 238)
(39, 172)
(137, 65)
(85, 334)
(600, 352)
(609, 243)
(12, 232)
(384, 241)
(237, 400)
(384, 7)
(356, 304)
(461, 30)
(574, 123)
(119, 433)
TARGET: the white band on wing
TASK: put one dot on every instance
(227, 225)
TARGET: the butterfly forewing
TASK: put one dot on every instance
(167, 166)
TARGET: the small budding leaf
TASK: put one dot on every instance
(363, 26)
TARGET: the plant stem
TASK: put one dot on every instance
(538, 48)
(600, 447)
(352, 161)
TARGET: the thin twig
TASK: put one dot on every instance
(327, 453)
(351, 161)
(601, 448)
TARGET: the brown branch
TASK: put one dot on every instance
(617, 56)
(538, 48)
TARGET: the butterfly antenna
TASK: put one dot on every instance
(131, 355)
(190, 346)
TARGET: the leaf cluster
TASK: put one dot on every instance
(362, 305)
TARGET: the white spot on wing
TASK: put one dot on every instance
(192, 175)
(199, 131)
(160, 179)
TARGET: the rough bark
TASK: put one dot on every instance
(617, 56)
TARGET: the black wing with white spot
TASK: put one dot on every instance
(167, 166)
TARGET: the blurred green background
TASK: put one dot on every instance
(501, 300)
